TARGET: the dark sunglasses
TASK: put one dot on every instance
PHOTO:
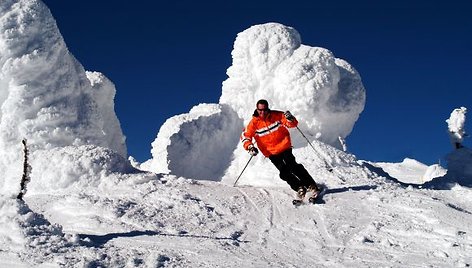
(263, 110)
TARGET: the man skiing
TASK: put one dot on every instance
(269, 129)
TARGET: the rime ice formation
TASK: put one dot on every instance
(270, 62)
(46, 96)
(198, 144)
(459, 161)
(456, 126)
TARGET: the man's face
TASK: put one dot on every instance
(262, 110)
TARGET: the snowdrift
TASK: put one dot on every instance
(411, 171)
(85, 166)
(24, 231)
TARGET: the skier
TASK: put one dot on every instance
(269, 129)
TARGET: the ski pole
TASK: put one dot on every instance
(328, 166)
(243, 170)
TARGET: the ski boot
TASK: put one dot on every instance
(301, 192)
(314, 191)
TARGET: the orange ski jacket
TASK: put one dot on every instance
(270, 133)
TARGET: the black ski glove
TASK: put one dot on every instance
(252, 150)
(289, 116)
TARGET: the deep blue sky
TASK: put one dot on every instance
(167, 56)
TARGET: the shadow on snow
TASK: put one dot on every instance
(352, 188)
(100, 240)
(342, 190)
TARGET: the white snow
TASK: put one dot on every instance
(88, 206)
(74, 166)
(198, 144)
(412, 171)
(24, 232)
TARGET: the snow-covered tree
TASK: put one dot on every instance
(456, 126)
(46, 96)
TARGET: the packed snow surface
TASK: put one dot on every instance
(148, 220)
(87, 206)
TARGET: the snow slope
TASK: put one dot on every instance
(144, 220)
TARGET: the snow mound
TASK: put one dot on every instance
(46, 96)
(196, 145)
(318, 161)
(29, 234)
(412, 171)
(433, 172)
(74, 166)
(269, 62)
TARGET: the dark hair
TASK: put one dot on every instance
(264, 102)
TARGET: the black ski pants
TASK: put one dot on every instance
(290, 171)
